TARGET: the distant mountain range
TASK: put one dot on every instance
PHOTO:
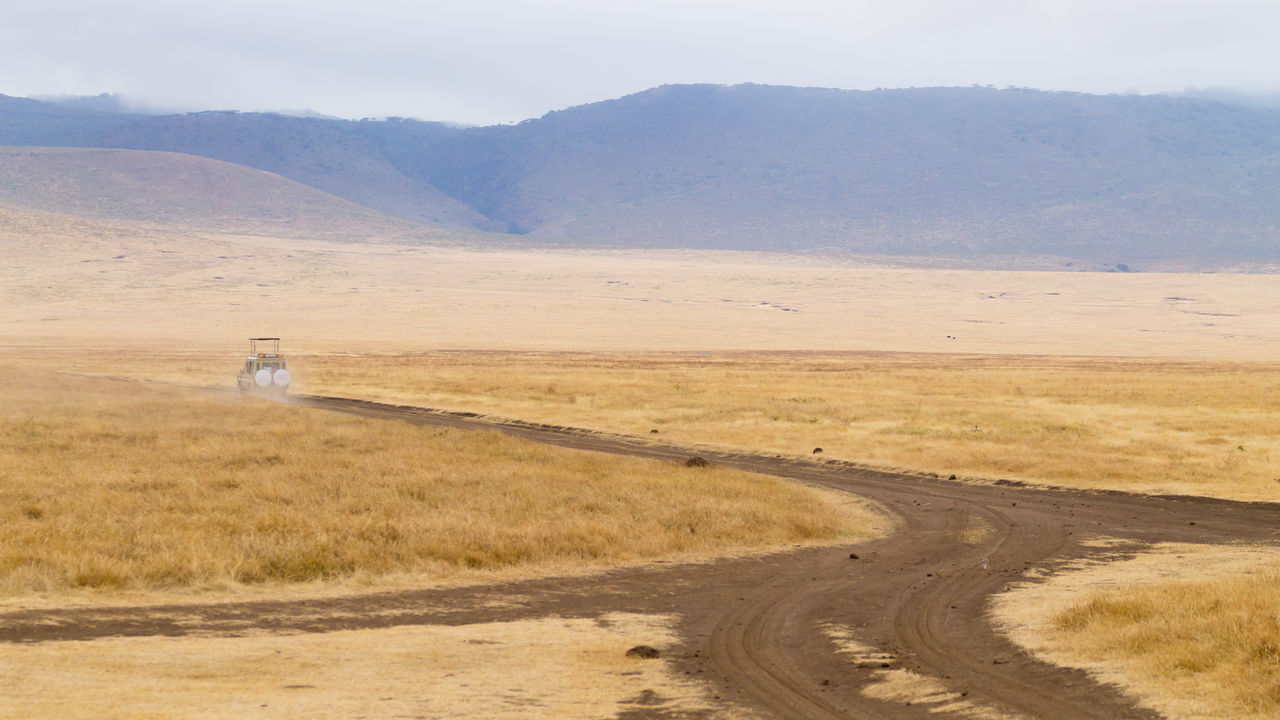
(956, 172)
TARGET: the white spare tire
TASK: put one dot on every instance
(281, 378)
(262, 378)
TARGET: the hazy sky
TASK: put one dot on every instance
(488, 61)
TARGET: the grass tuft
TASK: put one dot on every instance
(1219, 638)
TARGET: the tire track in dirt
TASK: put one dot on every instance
(756, 627)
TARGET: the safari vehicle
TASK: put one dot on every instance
(264, 372)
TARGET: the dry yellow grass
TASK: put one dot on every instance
(73, 286)
(546, 668)
(122, 485)
(1225, 634)
(1171, 427)
(1201, 428)
(1193, 631)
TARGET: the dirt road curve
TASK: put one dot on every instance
(754, 628)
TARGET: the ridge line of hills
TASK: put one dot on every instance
(948, 172)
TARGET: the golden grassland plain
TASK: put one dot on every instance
(545, 668)
(115, 485)
(936, 370)
(73, 282)
(1194, 428)
(1157, 426)
(1195, 625)
(1192, 631)
(369, 319)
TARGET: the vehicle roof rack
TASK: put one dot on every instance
(275, 346)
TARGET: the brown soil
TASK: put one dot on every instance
(755, 628)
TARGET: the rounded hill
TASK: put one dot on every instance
(185, 191)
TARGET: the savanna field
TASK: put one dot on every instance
(163, 490)
(208, 491)
(122, 485)
(1154, 426)
(713, 402)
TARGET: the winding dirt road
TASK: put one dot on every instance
(757, 629)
